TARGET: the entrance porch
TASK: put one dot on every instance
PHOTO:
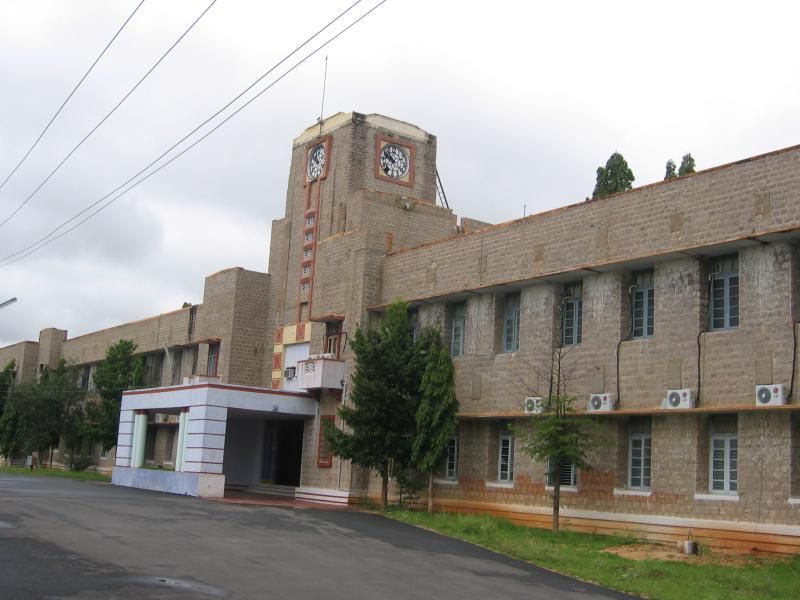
(227, 434)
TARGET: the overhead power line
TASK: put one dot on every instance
(75, 89)
(104, 119)
(51, 237)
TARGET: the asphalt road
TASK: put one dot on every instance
(76, 540)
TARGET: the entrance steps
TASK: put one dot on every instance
(270, 489)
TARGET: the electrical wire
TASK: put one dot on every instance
(75, 89)
(51, 237)
(103, 120)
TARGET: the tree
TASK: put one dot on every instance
(557, 435)
(615, 177)
(687, 165)
(436, 413)
(120, 371)
(35, 415)
(670, 172)
(383, 395)
(6, 382)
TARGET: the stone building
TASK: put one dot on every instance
(674, 306)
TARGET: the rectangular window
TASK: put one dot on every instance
(511, 323)
(724, 455)
(177, 363)
(451, 460)
(213, 358)
(333, 337)
(413, 325)
(640, 443)
(505, 462)
(572, 315)
(724, 300)
(568, 476)
(324, 455)
(643, 304)
(458, 321)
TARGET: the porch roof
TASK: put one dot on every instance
(255, 399)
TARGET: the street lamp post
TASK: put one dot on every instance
(7, 302)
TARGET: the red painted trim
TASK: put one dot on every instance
(412, 159)
(324, 464)
(217, 386)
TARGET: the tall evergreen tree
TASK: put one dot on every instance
(687, 165)
(670, 171)
(438, 406)
(615, 177)
(6, 382)
(121, 370)
(383, 398)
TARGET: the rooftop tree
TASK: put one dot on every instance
(615, 177)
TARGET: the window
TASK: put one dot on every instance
(307, 254)
(84, 379)
(505, 461)
(639, 453)
(310, 221)
(572, 315)
(213, 358)
(643, 304)
(457, 327)
(413, 325)
(333, 337)
(305, 287)
(324, 455)
(724, 300)
(308, 237)
(177, 360)
(511, 323)
(724, 455)
(568, 476)
(451, 460)
(306, 270)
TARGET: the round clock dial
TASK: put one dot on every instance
(316, 161)
(394, 161)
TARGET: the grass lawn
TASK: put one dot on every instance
(42, 472)
(706, 577)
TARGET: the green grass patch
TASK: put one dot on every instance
(709, 577)
(42, 472)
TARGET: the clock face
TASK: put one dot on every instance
(394, 161)
(316, 161)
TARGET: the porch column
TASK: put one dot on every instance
(124, 439)
(182, 419)
(139, 439)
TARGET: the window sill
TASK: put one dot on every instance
(722, 496)
(445, 481)
(500, 484)
(571, 489)
(794, 501)
(627, 492)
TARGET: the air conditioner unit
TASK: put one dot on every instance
(314, 357)
(770, 395)
(533, 405)
(600, 403)
(160, 418)
(329, 355)
(290, 372)
(678, 399)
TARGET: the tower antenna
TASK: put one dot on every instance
(324, 84)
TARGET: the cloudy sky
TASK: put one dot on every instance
(526, 98)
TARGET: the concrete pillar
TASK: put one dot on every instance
(139, 439)
(182, 420)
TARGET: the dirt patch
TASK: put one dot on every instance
(666, 552)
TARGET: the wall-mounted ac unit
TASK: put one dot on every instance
(533, 405)
(770, 395)
(290, 372)
(678, 399)
(329, 355)
(160, 418)
(600, 402)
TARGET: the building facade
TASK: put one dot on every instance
(673, 308)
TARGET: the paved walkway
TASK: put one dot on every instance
(75, 540)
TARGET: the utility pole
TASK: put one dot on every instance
(7, 302)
